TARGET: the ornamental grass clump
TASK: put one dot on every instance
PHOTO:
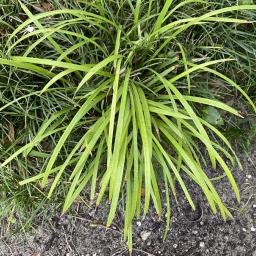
(133, 118)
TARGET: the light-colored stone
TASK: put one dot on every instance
(202, 245)
(145, 235)
(138, 223)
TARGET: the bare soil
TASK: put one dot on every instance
(83, 232)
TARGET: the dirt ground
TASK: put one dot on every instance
(192, 233)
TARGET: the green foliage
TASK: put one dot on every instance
(245, 2)
(114, 89)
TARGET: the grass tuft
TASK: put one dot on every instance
(109, 96)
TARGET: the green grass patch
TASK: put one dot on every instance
(113, 96)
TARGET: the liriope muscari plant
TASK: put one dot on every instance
(130, 80)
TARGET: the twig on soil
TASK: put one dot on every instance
(69, 247)
(97, 224)
(147, 253)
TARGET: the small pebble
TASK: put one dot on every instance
(138, 223)
(145, 235)
(253, 229)
(201, 223)
(175, 246)
(195, 232)
(254, 206)
(244, 229)
(249, 176)
(201, 244)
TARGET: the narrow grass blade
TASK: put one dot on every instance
(124, 107)
(145, 132)
(96, 69)
(162, 14)
(137, 12)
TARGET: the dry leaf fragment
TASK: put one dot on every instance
(11, 135)
(43, 7)
(36, 254)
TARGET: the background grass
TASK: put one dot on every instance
(21, 121)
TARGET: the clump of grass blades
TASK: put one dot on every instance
(130, 96)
